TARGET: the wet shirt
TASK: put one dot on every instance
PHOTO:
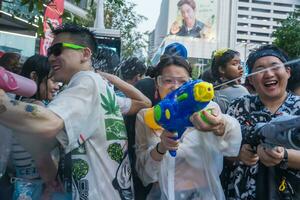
(258, 181)
(94, 164)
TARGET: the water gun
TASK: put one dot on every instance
(281, 131)
(14, 83)
(174, 111)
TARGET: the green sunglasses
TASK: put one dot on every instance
(57, 48)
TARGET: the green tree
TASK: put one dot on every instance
(37, 8)
(125, 19)
(287, 36)
(120, 17)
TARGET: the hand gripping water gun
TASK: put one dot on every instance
(280, 131)
(14, 83)
(174, 111)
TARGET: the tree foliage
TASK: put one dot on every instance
(125, 19)
(119, 16)
(287, 36)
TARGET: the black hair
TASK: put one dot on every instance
(207, 76)
(7, 59)
(106, 60)
(166, 61)
(81, 35)
(40, 65)
(131, 67)
(221, 61)
(294, 80)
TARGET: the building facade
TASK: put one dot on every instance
(254, 21)
(240, 24)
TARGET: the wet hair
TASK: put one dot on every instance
(131, 67)
(80, 35)
(166, 61)
(189, 2)
(220, 59)
(263, 51)
(106, 60)
(7, 59)
(294, 80)
(40, 65)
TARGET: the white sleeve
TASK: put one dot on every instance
(232, 137)
(124, 104)
(78, 106)
(145, 140)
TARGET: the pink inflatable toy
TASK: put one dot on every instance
(14, 83)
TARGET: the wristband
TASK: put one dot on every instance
(156, 148)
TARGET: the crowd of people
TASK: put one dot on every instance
(83, 134)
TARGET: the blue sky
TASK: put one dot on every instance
(150, 9)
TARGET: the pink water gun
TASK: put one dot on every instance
(14, 83)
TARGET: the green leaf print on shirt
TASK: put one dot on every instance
(115, 152)
(115, 129)
(80, 169)
(109, 103)
(114, 123)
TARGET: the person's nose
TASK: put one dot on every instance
(176, 85)
(56, 86)
(51, 58)
(268, 72)
(240, 67)
(185, 15)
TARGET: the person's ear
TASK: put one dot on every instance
(33, 76)
(250, 78)
(87, 54)
(136, 78)
(221, 70)
(288, 71)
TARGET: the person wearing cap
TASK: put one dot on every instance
(261, 171)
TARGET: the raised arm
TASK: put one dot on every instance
(29, 118)
(139, 100)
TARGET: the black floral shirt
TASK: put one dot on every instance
(258, 181)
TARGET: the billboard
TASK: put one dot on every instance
(194, 18)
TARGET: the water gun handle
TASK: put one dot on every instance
(179, 132)
(14, 83)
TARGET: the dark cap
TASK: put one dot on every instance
(263, 51)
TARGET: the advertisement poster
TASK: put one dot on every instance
(195, 18)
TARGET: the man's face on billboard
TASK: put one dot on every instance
(188, 15)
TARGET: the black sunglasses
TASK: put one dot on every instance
(57, 48)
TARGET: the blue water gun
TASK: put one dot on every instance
(174, 111)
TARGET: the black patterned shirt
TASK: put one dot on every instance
(259, 181)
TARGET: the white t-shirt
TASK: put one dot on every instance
(95, 139)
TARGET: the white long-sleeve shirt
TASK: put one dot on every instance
(198, 163)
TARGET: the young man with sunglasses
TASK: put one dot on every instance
(85, 119)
